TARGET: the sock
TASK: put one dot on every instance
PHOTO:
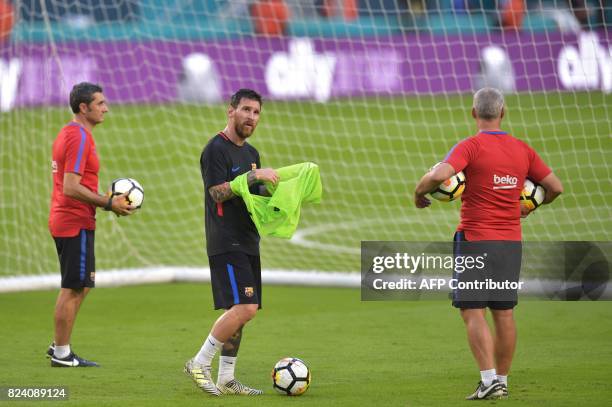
(503, 379)
(61, 351)
(207, 352)
(487, 376)
(227, 364)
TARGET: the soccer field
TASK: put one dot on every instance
(374, 93)
(359, 353)
(371, 153)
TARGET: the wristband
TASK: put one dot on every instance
(109, 204)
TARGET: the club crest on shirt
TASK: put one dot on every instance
(248, 291)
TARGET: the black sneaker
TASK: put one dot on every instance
(51, 350)
(72, 360)
(504, 390)
(490, 392)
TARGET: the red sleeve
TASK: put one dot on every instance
(538, 169)
(77, 147)
(462, 154)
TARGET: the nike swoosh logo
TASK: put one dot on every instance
(73, 362)
(235, 169)
(491, 389)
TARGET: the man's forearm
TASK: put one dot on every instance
(81, 193)
(221, 193)
(426, 185)
(251, 178)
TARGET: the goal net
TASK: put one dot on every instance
(374, 92)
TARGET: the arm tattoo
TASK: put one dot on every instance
(221, 193)
(251, 178)
(231, 346)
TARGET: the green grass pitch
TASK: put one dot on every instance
(371, 153)
(360, 353)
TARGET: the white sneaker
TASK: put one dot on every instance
(201, 376)
(235, 387)
(490, 392)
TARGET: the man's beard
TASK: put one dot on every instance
(240, 131)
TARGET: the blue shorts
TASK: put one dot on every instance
(77, 259)
(235, 279)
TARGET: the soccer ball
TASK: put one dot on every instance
(291, 377)
(532, 195)
(132, 187)
(450, 189)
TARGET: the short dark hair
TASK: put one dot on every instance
(83, 93)
(245, 94)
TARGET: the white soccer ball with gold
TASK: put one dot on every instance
(450, 189)
(291, 377)
(135, 191)
(532, 195)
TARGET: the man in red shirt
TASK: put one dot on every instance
(495, 165)
(72, 219)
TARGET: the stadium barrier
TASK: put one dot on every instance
(305, 68)
(154, 275)
(536, 288)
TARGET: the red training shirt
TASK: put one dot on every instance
(74, 150)
(495, 165)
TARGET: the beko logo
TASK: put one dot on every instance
(504, 182)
